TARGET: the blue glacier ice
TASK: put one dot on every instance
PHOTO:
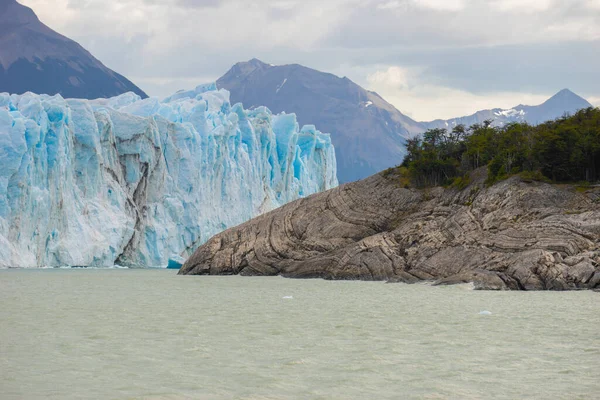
(138, 182)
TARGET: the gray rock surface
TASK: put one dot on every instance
(513, 235)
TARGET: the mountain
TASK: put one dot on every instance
(136, 182)
(513, 235)
(34, 58)
(564, 102)
(369, 134)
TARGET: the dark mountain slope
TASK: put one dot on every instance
(37, 59)
(369, 134)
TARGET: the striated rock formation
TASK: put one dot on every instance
(513, 235)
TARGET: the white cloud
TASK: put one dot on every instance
(423, 101)
(163, 45)
(231, 22)
(392, 77)
(594, 100)
(284, 5)
(522, 6)
(56, 13)
(442, 5)
(583, 28)
(390, 5)
(593, 4)
(436, 5)
(307, 25)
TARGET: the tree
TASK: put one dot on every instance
(567, 149)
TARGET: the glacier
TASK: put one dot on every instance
(132, 182)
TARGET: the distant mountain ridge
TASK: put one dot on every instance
(34, 58)
(563, 102)
(369, 134)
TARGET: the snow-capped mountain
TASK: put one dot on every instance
(135, 182)
(564, 102)
(369, 134)
(34, 58)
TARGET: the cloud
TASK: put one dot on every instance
(438, 5)
(522, 6)
(593, 4)
(392, 77)
(193, 3)
(441, 5)
(595, 101)
(452, 24)
(431, 57)
(411, 92)
(390, 5)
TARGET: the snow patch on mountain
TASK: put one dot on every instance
(510, 113)
(563, 102)
(281, 86)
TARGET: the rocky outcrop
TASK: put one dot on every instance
(513, 235)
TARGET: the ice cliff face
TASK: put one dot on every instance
(134, 182)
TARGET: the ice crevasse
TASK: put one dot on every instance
(135, 182)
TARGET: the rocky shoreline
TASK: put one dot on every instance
(513, 235)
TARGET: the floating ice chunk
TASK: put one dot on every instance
(288, 297)
(485, 312)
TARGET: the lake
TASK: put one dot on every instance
(150, 334)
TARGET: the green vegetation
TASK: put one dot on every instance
(564, 150)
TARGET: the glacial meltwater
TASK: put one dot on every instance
(150, 334)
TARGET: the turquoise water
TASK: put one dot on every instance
(150, 334)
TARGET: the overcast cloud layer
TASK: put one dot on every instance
(430, 58)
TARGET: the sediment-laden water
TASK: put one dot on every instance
(149, 334)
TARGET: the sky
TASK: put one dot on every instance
(430, 58)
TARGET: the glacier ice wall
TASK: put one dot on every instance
(134, 182)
